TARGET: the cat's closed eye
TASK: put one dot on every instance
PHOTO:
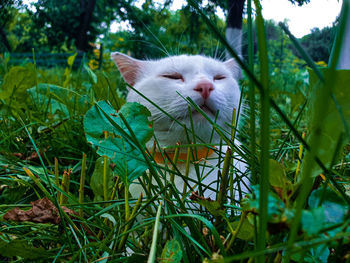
(219, 77)
(176, 76)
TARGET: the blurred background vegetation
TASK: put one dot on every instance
(150, 30)
(55, 64)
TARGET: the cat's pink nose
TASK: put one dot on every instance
(204, 88)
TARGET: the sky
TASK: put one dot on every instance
(317, 13)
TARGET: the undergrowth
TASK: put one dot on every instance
(71, 148)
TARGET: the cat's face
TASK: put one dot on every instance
(208, 82)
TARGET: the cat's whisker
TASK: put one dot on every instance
(166, 82)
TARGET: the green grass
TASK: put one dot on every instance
(290, 216)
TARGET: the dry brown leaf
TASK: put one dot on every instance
(195, 197)
(43, 211)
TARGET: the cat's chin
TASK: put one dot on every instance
(206, 109)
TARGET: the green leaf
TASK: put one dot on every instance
(16, 82)
(71, 59)
(332, 123)
(213, 207)
(91, 74)
(118, 146)
(20, 248)
(277, 175)
(318, 254)
(276, 208)
(96, 182)
(246, 231)
(313, 221)
(172, 252)
(335, 208)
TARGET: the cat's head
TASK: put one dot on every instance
(210, 83)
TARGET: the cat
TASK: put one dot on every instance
(210, 83)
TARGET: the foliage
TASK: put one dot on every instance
(65, 22)
(165, 32)
(318, 43)
(119, 143)
(8, 10)
(299, 2)
(76, 119)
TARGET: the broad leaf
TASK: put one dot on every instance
(317, 254)
(172, 252)
(326, 209)
(276, 209)
(246, 231)
(213, 207)
(277, 175)
(119, 144)
(335, 208)
(96, 182)
(16, 82)
(313, 221)
(333, 120)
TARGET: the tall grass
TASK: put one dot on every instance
(164, 225)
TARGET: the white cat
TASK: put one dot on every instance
(210, 83)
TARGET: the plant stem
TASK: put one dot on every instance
(126, 198)
(300, 156)
(236, 231)
(82, 183)
(224, 177)
(65, 186)
(152, 253)
(233, 133)
(57, 179)
(172, 174)
(187, 170)
(105, 162)
(129, 222)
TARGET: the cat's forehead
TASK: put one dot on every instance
(188, 63)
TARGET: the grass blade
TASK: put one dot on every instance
(152, 253)
(265, 132)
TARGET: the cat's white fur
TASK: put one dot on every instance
(147, 77)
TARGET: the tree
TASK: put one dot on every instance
(72, 22)
(86, 10)
(166, 32)
(234, 10)
(234, 25)
(299, 2)
(318, 43)
(8, 10)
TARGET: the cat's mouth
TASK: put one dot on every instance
(204, 107)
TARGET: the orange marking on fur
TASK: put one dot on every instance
(202, 154)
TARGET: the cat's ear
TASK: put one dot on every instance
(129, 67)
(233, 66)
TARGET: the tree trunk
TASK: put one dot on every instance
(5, 40)
(87, 8)
(234, 25)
